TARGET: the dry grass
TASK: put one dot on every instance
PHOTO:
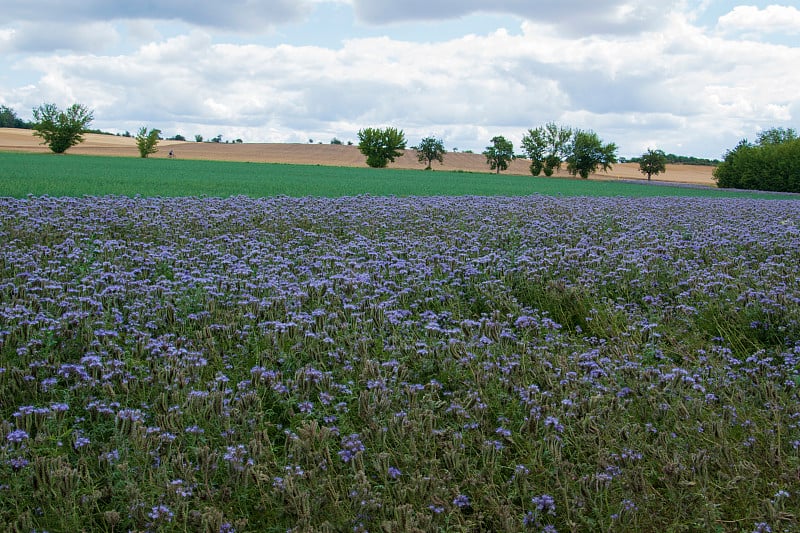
(318, 154)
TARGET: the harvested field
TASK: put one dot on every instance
(318, 154)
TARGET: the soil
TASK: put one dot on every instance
(322, 154)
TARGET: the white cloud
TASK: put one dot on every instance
(677, 87)
(771, 19)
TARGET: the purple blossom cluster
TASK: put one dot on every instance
(536, 353)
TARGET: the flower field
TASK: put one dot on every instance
(399, 364)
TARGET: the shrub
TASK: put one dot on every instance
(147, 142)
(771, 165)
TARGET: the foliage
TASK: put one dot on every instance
(61, 130)
(178, 137)
(33, 174)
(399, 364)
(652, 163)
(336, 141)
(589, 153)
(769, 166)
(673, 159)
(147, 143)
(381, 145)
(499, 154)
(547, 146)
(430, 150)
(9, 119)
(776, 136)
(198, 138)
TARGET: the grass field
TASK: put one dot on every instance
(70, 175)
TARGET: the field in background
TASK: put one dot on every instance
(72, 175)
(320, 154)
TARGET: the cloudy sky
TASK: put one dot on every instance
(691, 77)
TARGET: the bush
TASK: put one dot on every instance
(147, 142)
(769, 166)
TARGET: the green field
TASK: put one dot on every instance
(72, 175)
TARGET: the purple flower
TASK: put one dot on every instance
(461, 501)
(17, 463)
(554, 423)
(17, 436)
(110, 457)
(394, 473)
(237, 457)
(161, 513)
(351, 445)
(545, 504)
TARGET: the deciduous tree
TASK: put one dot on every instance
(381, 145)
(776, 136)
(61, 130)
(771, 165)
(147, 143)
(588, 153)
(430, 150)
(547, 146)
(9, 119)
(653, 163)
(499, 154)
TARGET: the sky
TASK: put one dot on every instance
(690, 77)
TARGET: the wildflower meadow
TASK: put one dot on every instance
(399, 364)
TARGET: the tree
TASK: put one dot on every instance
(9, 119)
(198, 138)
(147, 142)
(767, 166)
(547, 146)
(61, 129)
(653, 163)
(381, 145)
(534, 145)
(430, 150)
(499, 154)
(776, 136)
(589, 153)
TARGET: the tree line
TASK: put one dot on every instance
(547, 147)
(772, 163)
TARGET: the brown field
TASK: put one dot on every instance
(319, 154)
